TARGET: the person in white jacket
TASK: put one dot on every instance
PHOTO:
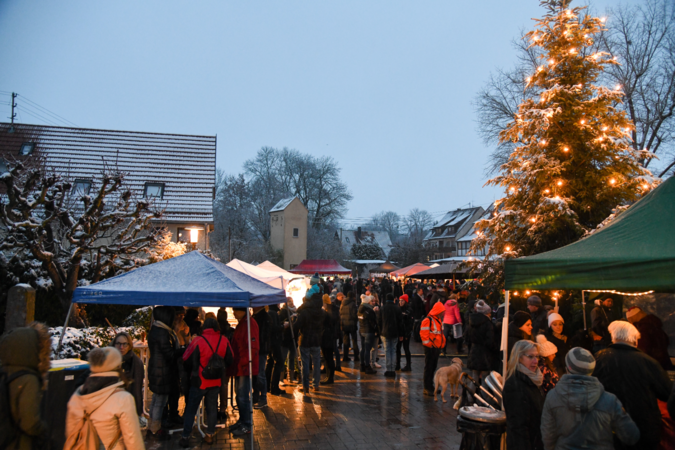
(111, 408)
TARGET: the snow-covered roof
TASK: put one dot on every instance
(458, 258)
(473, 233)
(185, 164)
(450, 224)
(368, 261)
(380, 238)
(282, 204)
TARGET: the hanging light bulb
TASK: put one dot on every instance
(645, 186)
(512, 189)
(547, 191)
(527, 292)
(603, 19)
(507, 248)
(583, 121)
(573, 51)
(528, 79)
(560, 183)
(612, 181)
(605, 128)
(542, 142)
(617, 87)
(551, 61)
(533, 220)
(566, 149)
(557, 197)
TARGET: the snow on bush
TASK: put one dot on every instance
(79, 341)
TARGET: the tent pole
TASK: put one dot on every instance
(583, 306)
(63, 330)
(250, 370)
(505, 335)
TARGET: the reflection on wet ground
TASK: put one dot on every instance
(358, 411)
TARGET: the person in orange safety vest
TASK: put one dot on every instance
(431, 332)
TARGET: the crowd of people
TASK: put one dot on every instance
(606, 389)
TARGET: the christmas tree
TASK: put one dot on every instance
(572, 164)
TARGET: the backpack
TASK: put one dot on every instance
(8, 429)
(86, 438)
(216, 366)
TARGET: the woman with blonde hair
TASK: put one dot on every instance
(523, 398)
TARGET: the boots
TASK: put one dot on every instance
(370, 371)
(329, 379)
(363, 367)
(398, 364)
(407, 367)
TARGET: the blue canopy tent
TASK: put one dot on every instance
(188, 280)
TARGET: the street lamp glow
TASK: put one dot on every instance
(194, 236)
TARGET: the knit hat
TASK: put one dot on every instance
(326, 299)
(553, 317)
(404, 297)
(546, 348)
(520, 318)
(633, 311)
(579, 361)
(366, 298)
(534, 300)
(104, 359)
(315, 279)
(483, 307)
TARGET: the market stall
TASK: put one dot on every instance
(409, 271)
(320, 266)
(635, 253)
(190, 280)
(384, 269)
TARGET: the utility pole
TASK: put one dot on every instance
(14, 95)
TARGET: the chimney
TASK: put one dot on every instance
(358, 233)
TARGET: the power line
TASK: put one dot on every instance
(37, 116)
(35, 111)
(46, 111)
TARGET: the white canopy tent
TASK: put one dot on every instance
(277, 279)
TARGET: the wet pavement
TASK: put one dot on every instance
(358, 411)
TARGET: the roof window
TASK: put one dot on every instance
(154, 190)
(81, 187)
(26, 148)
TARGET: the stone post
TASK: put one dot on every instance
(20, 306)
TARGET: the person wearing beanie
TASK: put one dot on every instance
(547, 352)
(637, 379)
(451, 317)
(315, 286)
(653, 340)
(481, 338)
(520, 328)
(538, 315)
(368, 330)
(111, 409)
(554, 334)
(579, 413)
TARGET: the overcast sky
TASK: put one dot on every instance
(385, 87)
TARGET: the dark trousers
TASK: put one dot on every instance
(430, 364)
(210, 396)
(260, 383)
(274, 363)
(405, 343)
(367, 342)
(329, 359)
(349, 339)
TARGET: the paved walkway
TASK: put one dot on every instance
(358, 411)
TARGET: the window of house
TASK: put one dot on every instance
(81, 187)
(296, 232)
(154, 190)
(26, 148)
(183, 235)
(3, 166)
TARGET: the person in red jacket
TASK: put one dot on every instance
(199, 352)
(240, 370)
(451, 317)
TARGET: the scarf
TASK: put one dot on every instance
(172, 333)
(536, 377)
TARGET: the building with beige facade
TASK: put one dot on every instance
(288, 230)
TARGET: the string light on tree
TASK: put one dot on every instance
(570, 111)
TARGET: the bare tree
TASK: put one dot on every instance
(71, 237)
(388, 221)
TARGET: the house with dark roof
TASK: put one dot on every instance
(442, 238)
(359, 236)
(176, 171)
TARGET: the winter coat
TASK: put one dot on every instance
(391, 321)
(578, 414)
(515, 335)
(600, 319)
(408, 321)
(276, 328)
(523, 403)
(201, 353)
(550, 374)
(367, 319)
(162, 367)
(348, 315)
(418, 308)
(240, 347)
(112, 412)
(329, 326)
(309, 326)
(563, 348)
(264, 336)
(452, 315)
(335, 312)
(539, 321)
(133, 369)
(287, 333)
(482, 336)
(26, 349)
(654, 341)
(638, 381)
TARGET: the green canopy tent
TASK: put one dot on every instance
(635, 252)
